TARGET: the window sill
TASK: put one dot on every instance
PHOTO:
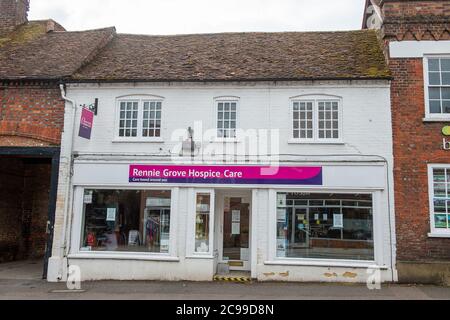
(225, 140)
(199, 256)
(139, 140)
(436, 119)
(298, 141)
(325, 263)
(439, 235)
(123, 256)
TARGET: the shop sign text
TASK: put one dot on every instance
(225, 175)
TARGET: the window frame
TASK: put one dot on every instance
(140, 100)
(316, 99)
(79, 220)
(192, 216)
(428, 115)
(378, 237)
(226, 99)
(436, 232)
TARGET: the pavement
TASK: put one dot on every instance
(21, 281)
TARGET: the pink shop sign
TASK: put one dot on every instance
(86, 123)
(225, 175)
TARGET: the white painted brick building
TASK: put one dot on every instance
(325, 213)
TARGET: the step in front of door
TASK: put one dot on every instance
(231, 278)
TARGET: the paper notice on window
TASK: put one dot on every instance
(338, 221)
(281, 200)
(236, 228)
(87, 199)
(111, 214)
(325, 217)
(281, 214)
(236, 215)
(316, 216)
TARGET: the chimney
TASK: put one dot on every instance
(12, 14)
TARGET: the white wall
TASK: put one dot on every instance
(366, 114)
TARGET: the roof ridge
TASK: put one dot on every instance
(89, 30)
(245, 32)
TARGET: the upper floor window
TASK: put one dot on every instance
(226, 119)
(440, 199)
(316, 120)
(438, 82)
(140, 118)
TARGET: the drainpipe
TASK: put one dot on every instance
(67, 192)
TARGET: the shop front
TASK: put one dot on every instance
(135, 221)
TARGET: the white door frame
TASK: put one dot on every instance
(246, 196)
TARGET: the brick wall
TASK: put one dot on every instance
(401, 9)
(25, 187)
(415, 145)
(416, 20)
(32, 111)
(12, 14)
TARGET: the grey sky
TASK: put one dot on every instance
(202, 16)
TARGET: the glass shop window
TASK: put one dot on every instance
(126, 221)
(325, 226)
(202, 218)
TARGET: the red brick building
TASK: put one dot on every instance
(35, 56)
(416, 37)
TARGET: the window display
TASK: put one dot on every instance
(329, 226)
(126, 220)
(203, 210)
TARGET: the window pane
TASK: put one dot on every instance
(318, 229)
(446, 106)
(435, 93)
(439, 175)
(439, 205)
(445, 78)
(435, 78)
(445, 94)
(440, 221)
(435, 106)
(445, 65)
(126, 220)
(433, 64)
(203, 210)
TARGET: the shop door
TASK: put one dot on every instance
(236, 234)
(300, 228)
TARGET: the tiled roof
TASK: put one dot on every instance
(239, 56)
(31, 52)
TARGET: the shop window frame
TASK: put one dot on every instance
(438, 232)
(379, 259)
(78, 225)
(192, 215)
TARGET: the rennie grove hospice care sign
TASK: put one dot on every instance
(86, 122)
(225, 175)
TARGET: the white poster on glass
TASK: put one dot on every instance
(111, 214)
(236, 215)
(338, 221)
(236, 228)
